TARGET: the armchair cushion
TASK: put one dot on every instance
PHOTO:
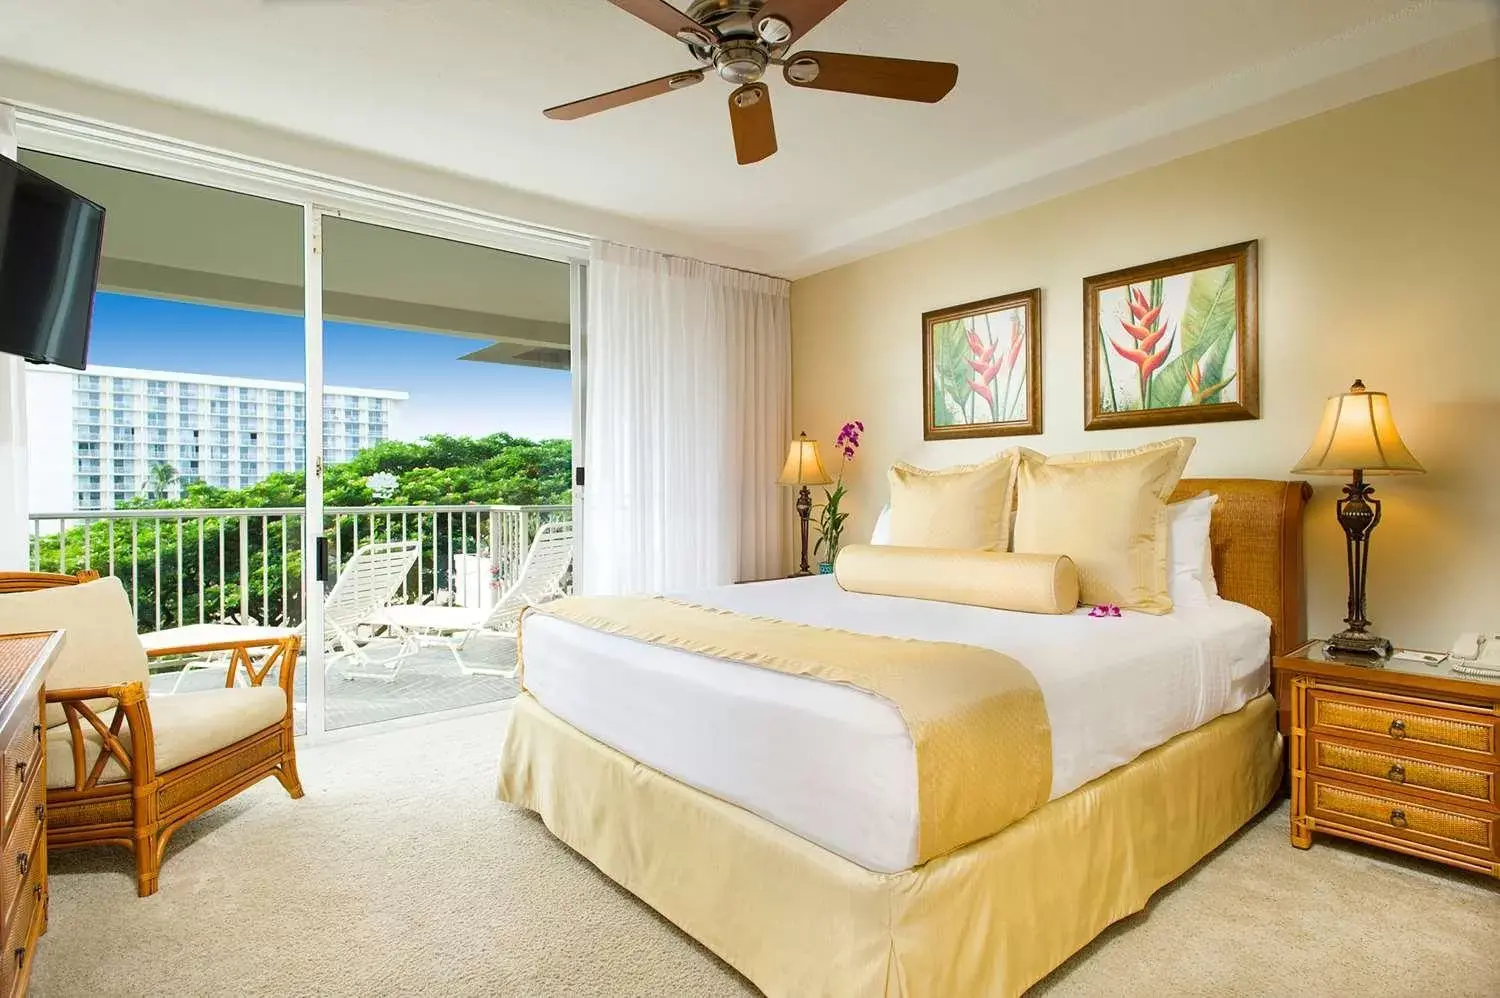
(186, 726)
(101, 647)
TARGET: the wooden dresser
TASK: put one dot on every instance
(1399, 754)
(24, 661)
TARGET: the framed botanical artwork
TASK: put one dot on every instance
(1173, 342)
(982, 368)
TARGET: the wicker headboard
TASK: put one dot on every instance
(1257, 548)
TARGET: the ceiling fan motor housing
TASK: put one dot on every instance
(737, 21)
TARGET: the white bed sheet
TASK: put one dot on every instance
(834, 764)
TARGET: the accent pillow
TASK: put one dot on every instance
(882, 532)
(100, 648)
(1187, 547)
(1031, 583)
(1107, 510)
(966, 507)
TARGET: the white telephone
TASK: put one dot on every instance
(1476, 653)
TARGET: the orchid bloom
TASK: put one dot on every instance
(1105, 610)
(848, 439)
(1147, 334)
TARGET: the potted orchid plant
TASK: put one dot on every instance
(830, 516)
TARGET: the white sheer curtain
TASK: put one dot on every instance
(688, 413)
(13, 499)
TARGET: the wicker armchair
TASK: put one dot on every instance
(126, 770)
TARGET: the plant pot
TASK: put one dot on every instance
(825, 568)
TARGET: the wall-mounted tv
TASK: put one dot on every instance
(50, 241)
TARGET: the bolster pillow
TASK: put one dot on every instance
(1031, 583)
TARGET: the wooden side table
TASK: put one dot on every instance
(1396, 753)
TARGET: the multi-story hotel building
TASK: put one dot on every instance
(96, 435)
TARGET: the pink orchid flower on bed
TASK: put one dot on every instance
(1105, 610)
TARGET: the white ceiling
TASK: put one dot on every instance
(1052, 94)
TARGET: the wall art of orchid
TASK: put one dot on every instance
(981, 361)
(1173, 338)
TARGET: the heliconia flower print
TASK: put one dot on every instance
(1147, 331)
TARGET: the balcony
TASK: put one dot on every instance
(187, 566)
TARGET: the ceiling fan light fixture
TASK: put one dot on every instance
(774, 30)
(803, 70)
(740, 63)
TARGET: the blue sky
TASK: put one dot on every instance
(448, 395)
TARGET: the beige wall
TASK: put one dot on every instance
(1379, 229)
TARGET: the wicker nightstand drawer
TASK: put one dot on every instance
(1405, 820)
(1411, 723)
(1473, 786)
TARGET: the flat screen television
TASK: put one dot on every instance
(50, 242)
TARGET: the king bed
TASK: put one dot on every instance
(785, 822)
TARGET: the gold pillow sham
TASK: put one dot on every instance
(1031, 583)
(966, 506)
(1107, 511)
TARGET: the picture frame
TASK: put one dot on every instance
(1175, 341)
(982, 368)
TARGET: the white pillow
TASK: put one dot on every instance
(882, 532)
(1190, 576)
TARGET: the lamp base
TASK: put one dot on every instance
(1358, 643)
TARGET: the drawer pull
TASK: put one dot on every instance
(36, 892)
(36, 731)
(41, 812)
(20, 958)
(1396, 775)
(21, 772)
(1398, 728)
(1398, 817)
(23, 863)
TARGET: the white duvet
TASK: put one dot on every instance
(834, 764)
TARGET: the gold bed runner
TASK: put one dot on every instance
(976, 717)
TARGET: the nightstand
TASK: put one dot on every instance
(1395, 753)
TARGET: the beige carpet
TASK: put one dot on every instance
(399, 874)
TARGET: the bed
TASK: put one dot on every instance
(794, 857)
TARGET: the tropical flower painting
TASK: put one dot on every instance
(1173, 342)
(982, 365)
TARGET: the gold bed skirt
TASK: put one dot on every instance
(989, 919)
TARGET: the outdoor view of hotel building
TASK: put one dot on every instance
(97, 435)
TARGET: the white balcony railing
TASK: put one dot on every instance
(184, 566)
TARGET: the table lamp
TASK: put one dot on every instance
(803, 467)
(1357, 438)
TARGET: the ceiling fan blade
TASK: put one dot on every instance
(625, 95)
(662, 15)
(754, 128)
(898, 79)
(802, 15)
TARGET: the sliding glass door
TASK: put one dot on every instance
(301, 420)
(440, 413)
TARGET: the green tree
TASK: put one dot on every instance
(439, 470)
(158, 482)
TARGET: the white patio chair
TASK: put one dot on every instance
(451, 627)
(367, 582)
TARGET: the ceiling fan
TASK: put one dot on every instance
(739, 40)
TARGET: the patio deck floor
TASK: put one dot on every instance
(428, 681)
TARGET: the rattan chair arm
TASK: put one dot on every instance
(139, 761)
(126, 693)
(280, 651)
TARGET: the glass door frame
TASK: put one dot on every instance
(314, 580)
(319, 195)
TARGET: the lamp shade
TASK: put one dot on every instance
(803, 465)
(1358, 434)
